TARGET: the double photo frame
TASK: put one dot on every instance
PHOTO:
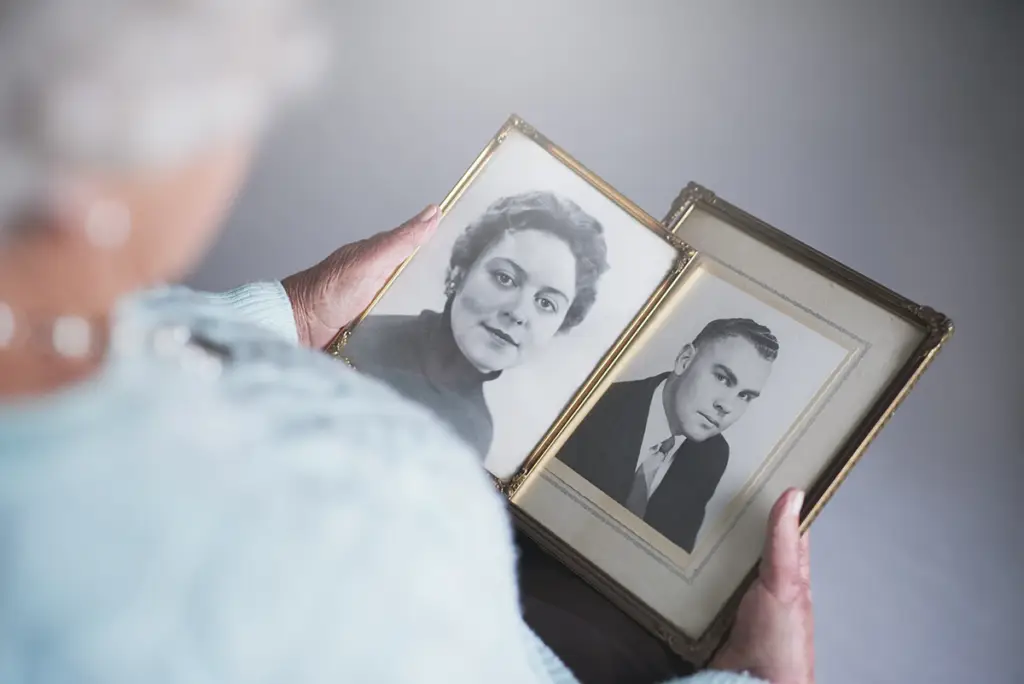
(640, 390)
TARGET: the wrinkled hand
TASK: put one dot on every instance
(773, 637)
(331, 294)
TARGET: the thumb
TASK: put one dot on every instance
(781, 564)
(395, 246)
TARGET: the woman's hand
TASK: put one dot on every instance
(773, 637)
(329, 295)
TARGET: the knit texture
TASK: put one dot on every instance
(283, 521)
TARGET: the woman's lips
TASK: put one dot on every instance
(500, 335)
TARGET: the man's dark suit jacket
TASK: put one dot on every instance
(605, 447)
(598, 642)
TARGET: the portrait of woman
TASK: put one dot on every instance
(524, 271)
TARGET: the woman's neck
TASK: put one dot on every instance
(25, 376)
(59, 302)
(445, 363)
(36, 367)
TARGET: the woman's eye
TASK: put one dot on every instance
(546, 304)
(722, 378)
(504, 279)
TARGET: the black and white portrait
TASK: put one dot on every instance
(700, 408)
(500, 318)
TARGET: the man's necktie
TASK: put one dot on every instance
(636, 501)
(639, 491)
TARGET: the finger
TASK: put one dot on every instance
(780, 565)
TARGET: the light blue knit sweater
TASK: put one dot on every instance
(230, 508)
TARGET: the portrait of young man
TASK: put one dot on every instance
(657, 446)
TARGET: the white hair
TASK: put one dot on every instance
(114, 85)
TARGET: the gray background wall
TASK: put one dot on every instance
(886, 134)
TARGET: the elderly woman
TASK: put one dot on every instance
(524, 271)
(189, 492)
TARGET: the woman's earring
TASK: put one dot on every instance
(449, 289)
(108, 224)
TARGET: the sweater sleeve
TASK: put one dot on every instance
(264, 303)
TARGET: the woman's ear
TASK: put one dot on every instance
(684, 359)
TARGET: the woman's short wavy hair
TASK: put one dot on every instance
(548, 213)
(125, 85)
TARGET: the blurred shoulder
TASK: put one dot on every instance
(299, 395)
(295, 513)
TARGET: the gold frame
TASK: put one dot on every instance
(937, 329)
(684, 256)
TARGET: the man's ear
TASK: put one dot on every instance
(684, 359)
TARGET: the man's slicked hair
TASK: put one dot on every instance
(764, 341)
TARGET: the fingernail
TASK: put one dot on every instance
(427, 214)
(796, 504)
